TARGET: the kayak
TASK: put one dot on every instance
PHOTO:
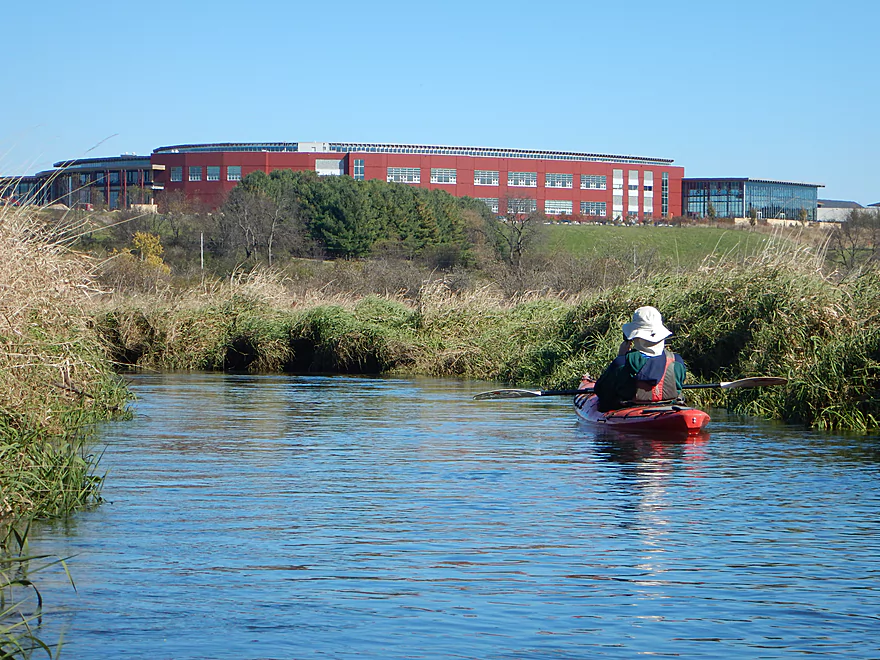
(664, 417)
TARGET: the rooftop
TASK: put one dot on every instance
(420, 149)
(837, 204)
(751, 180)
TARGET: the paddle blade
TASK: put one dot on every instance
(758, 381)
(506, 394)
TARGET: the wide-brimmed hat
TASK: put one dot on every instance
(646, 323)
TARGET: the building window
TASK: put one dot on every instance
(632, 204)
(195, 172)
(114, 178)
(113, 200)
(633, 183)
(213, 173)
(594, 182)
(558, 180)
(83, 179)
(664, 194)
(359, 173)
(593, 208)
(491, 202)
(441, 175)
(521, 205)
(557, 206)
(176, 174)
(132, 177)
(485, 178)
(233, 173)
(617, 181)
(617, 205)
(522, 179)
(404, 175)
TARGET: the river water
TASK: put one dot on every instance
(317, 517)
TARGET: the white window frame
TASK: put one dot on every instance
(596, 209)
(557, 206)
(213, 173)
(522, 179)
(594, 182)
(176, 174)
(233, 175)
(411, 175)
(554, 180)
(443, 175)
(522, 205)
(195, 173)
(485, 177)
(491, 202)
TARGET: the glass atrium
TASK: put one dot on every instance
(736, 198)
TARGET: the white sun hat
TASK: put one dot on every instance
(647, 324)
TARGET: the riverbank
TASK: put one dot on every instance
(774, 314)
(55, 380)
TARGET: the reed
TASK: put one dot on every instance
(737, 315)
(20, 600)
(55, 380)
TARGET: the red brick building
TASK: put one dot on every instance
(554, 182)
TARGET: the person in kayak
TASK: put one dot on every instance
(644, 370)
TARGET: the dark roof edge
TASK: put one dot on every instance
(746, 178)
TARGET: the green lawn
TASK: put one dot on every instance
(682, 246)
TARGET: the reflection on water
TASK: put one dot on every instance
(281, 517)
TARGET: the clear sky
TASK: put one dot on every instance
(758, 88)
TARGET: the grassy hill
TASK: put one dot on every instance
(679, 246)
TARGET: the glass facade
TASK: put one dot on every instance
(359, 170)
(737, 198)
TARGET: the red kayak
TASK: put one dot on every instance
(644, 417)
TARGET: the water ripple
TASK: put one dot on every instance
(279, 517)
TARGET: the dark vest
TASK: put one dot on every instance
(656, 379)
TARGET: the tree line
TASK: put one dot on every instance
(271, 217)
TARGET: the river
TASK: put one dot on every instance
(276, 516)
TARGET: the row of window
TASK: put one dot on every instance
(492, 178)
(233, 173)
(113, 178)
(481, 178)
(551, 206)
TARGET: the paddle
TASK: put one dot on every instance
(758, 381)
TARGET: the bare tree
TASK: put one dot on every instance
(855, 242)
(519, 230)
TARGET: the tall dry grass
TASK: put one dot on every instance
(54, 376)
(774, 313)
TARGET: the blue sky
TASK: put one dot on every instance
(782, 90)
